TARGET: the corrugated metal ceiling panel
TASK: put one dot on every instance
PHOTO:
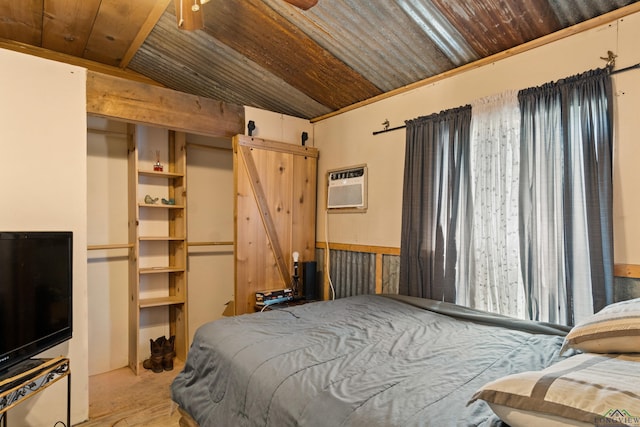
(269, 54)
(196, 63)
(571, 12)
(365, 36)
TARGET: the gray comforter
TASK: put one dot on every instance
(359, 361)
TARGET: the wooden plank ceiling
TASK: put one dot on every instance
(272, 55)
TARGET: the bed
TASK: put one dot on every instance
(367, 360)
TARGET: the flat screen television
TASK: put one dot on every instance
(35, 293)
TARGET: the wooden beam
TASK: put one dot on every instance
(73, 60)
(145, 30)
(122, 99)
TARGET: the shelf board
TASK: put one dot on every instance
(160, 302)
(158, 174)
(155, 270)
(160, 205)
(160, 238)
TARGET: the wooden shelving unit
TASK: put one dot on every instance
(158, 233)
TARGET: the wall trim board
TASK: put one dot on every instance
(383, 250)
(550, 38)
(378, 251)
(627, 270)
(135, 102)
(619, 270)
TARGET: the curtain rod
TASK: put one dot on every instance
(389, 129)
(622, 70)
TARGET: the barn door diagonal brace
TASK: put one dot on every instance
(263, 207)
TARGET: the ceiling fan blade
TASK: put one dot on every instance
(303, 4)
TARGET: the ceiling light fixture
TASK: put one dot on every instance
(302, 4)
(189, 14)
(196, 6)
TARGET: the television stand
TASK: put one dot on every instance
(31, 378)
(17, 370)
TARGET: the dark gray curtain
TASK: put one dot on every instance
(566, 197)
(436, 168)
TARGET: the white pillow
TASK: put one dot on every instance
(614, 329)
(586, 389)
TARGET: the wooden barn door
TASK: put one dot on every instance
(275, 214)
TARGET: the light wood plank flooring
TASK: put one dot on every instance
(120, 399)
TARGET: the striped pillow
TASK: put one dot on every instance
(583, 390)
(614, 329)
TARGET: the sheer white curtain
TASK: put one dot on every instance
(493, 280)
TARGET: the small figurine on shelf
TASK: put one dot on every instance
(157, 166)
(150, 200)
(168, 201)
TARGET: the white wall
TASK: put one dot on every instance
(42, 147)
(210, 220)
(626, 174)
(107, 223)
(347, 138)
(279, 127)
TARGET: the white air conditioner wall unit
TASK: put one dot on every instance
(347, 189)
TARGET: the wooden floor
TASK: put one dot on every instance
(120, 399)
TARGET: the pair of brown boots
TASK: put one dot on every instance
(162, 354)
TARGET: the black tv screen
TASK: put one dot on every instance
(35, 293)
